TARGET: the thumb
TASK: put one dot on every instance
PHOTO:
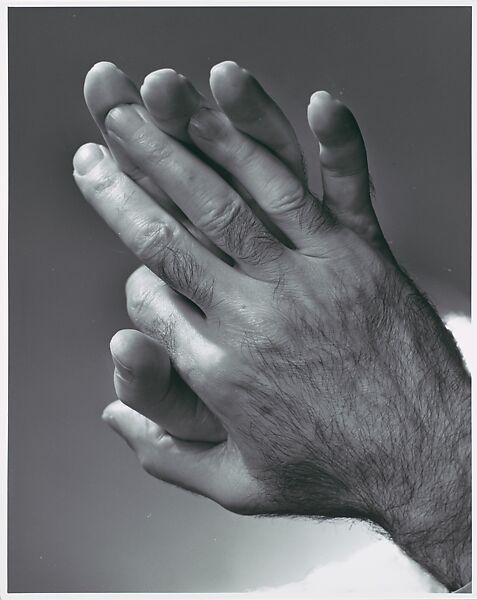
(145, 381)
(211, 470)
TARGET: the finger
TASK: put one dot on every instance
(212, 470)
(145, 380)
(171, 100)
(273, 186)
(209, 202)
(252, 111)
(167, 317)
(344, 166)
(157, 239)
(106, 86)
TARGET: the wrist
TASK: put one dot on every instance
(425, 504)
(435, 530)
(430, 516)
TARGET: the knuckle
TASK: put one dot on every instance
(151, 238)
(163, 330)
(139, 300)
(238, 230)
(245, 153)
(105, 183)
(323, 219)
(156, 151)
(186, 275)
(217, 218)
(143, 308)
(233, 226)
(290, 199)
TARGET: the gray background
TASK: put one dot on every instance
(82, 515)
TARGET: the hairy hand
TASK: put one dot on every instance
(155, 389)
(340, 391)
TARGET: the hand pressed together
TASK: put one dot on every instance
(301, 371)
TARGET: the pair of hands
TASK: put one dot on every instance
(298, 370)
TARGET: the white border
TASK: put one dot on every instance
(4, 4)
(3, 294)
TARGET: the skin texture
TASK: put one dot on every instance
(156, 389)
(339, 390)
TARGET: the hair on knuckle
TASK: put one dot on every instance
(240, 232)
(185, 274)
(318, 216)
(218, 218)
(163, 330)
(255, 245)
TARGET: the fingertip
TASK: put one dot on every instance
(320, 105)
(225, 67)
(109, 413)
(137, 356)
(331, 120)
(160, 90)
(169, 95)
(96, 75)
(137, 277)
(87, 157)
(227, 76)
(238, 93)
(101, 67)
(128, 349)
(321, 97)
(106, 86)
(122, 341)
(160, 77)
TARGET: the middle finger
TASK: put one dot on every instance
(209, 202)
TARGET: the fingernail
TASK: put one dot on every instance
(123, 371)
(86, 158)
(224, 66)
(321, 96)
(169, 95)
(161, 74)
(103, 65)
(206, 123)
(123, 120)
(231, 74)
